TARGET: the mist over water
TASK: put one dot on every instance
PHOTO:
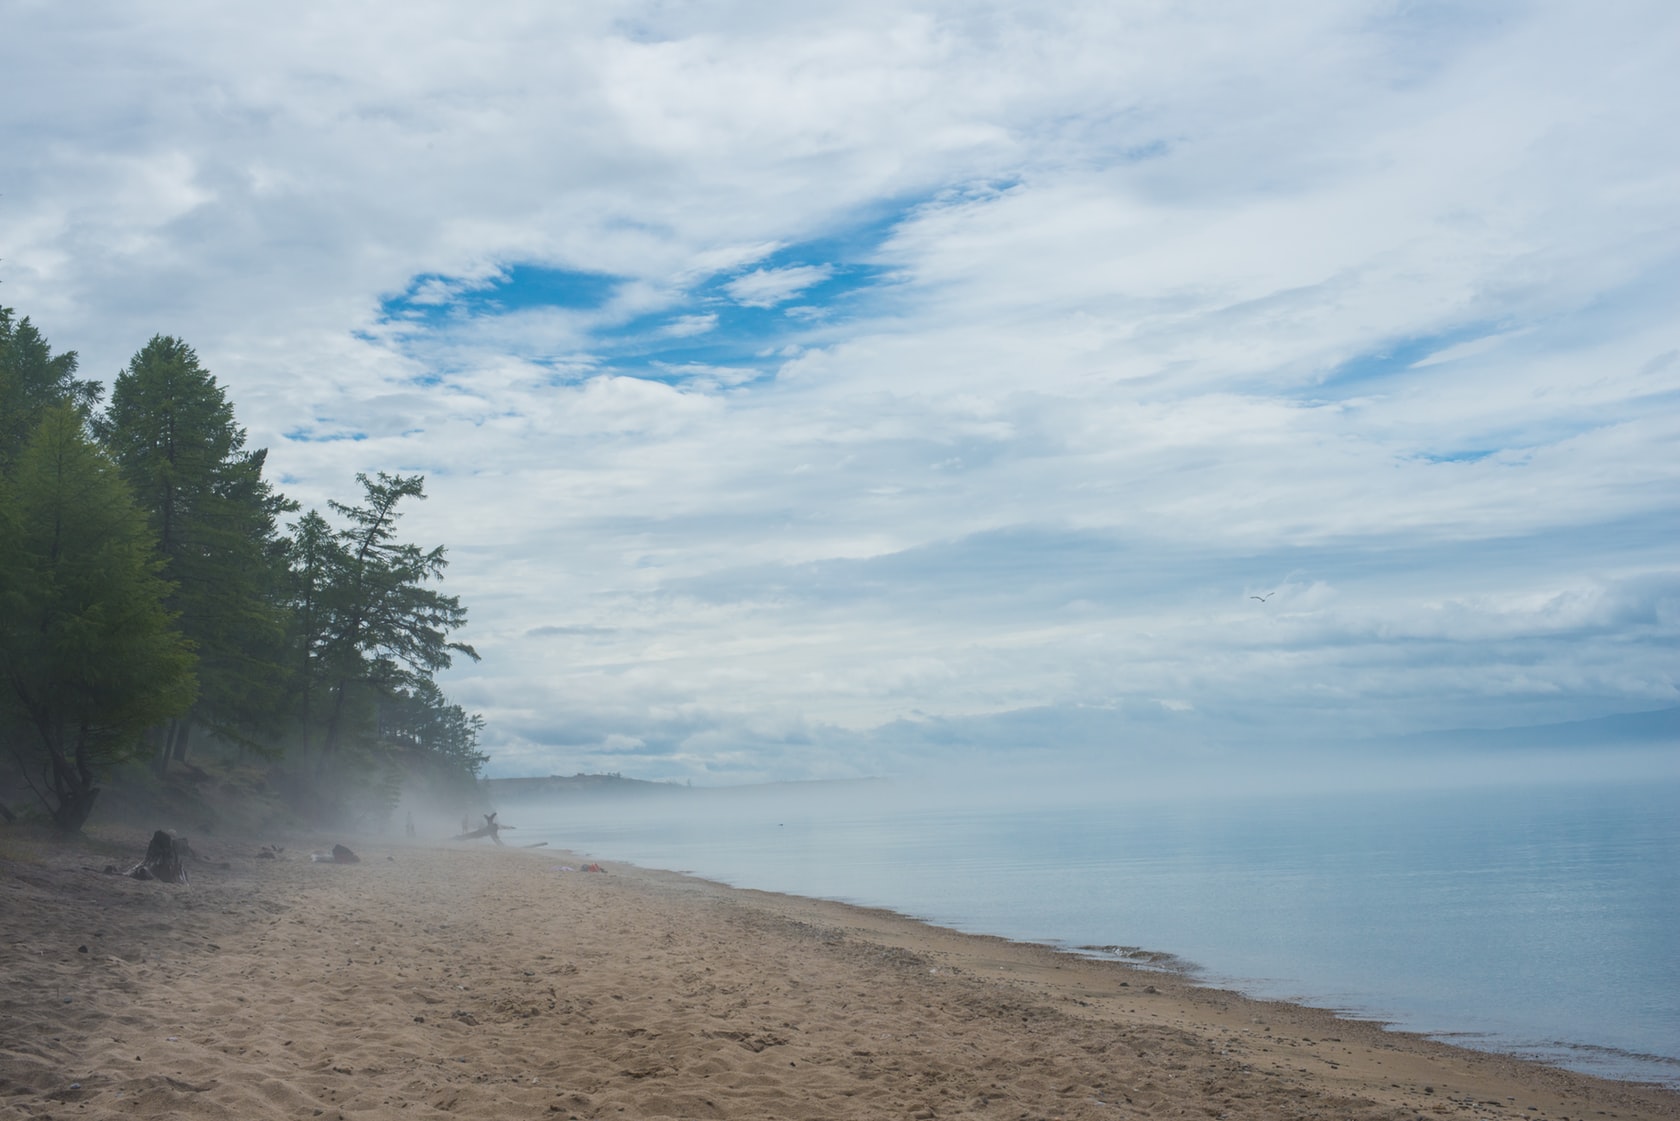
(1536, 917)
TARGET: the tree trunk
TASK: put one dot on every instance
(171, 741)
(158, 737)
(71, 781)
(329, 743)
(183, 732)
(74, 808)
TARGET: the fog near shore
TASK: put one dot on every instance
(1643, 749)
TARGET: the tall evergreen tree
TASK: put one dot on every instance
(172, 431)
(33, 380)
(314, 562)
(376, 626)
(88, 656)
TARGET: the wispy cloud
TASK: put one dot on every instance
(687, 326)
(847, 382)
(768, 287)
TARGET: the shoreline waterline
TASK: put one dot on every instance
(436, 979)
(1608, 1063)
(1408, 927)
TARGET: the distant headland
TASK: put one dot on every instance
(615, 785)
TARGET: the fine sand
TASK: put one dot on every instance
(471, 981)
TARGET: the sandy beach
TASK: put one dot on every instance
(471, 981)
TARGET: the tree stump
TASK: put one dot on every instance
(165, 859)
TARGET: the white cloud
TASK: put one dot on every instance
(1364, 304)
(769, 287)
(687, 326)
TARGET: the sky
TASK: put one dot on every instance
(821, 391)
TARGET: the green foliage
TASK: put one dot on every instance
(424, 721)
(369, 620)
(87, 650)
(312, 560)
(146, 591)
(172, 431)
(33, 380)
(388, 621)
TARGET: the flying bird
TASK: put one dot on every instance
(1264, 598)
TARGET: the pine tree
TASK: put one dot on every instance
(314, 558)
(33, 380)
(172, 431)
(375, 628)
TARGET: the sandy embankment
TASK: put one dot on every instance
(486, 983)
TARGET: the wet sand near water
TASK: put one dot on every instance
(470, 981)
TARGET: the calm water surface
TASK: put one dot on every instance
(1543, 921)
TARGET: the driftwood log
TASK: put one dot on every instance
(165, 859)
(491, 829)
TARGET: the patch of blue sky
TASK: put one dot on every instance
(1405, 357)
(311, 435)
(750, 319)
(1475, 455)
(860, 239)
(1644, 297)
(1402, 356)
(760, 303)
(744, 320)
(432, 300)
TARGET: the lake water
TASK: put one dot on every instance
(1543, 921)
